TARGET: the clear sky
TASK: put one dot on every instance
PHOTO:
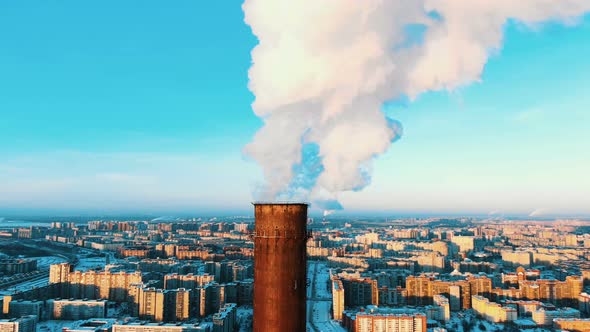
(143, 106)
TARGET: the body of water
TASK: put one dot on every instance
(8, 223)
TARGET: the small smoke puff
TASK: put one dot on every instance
(539, 212)
(328, 212)
(323, 69)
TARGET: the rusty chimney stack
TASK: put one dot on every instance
(280, 267)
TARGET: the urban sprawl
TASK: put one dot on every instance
(364, 275)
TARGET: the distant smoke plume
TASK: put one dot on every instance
(539, 213)
(324, 68)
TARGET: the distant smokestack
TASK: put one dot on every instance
(280, 267)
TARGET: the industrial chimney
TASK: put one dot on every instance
(280, 267)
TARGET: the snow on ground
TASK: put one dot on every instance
(44, 262)
(245, 314)
(91, 263)
(321, 317)
(320, 300)
(322, 283)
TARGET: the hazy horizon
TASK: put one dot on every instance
(48, 214)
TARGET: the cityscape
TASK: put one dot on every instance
(295, 166)
(363, 274)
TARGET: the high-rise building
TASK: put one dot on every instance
(159, 327)
(106, 284)
(419, 290)
(444, 307)
(22, 324)
(151, 304)
(180, 304)
(584, 302)
(244, 290)
(455, 297)
(21, 308)
(572, 324)
(337, 299)
(480, 286)
(465, 243)
(13, 266)
(225, 319)
(211, 298)
(170, 305)
(563, 293)
(188, 281)
(76, 309)
(380, 320)
(493, 311)
(517, 258)
(431, 262)
(59, 274)
(545, 317)
(360, 292)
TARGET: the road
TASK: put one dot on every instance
(319, 300)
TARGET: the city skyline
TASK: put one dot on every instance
(150, 113)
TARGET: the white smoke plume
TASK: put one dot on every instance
(323, 69)
(539, 212)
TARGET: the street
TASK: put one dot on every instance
(319, 300)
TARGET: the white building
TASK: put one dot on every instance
(545, 317)
(516, 258)
(442, 303)
(492, 311)
(465, 243)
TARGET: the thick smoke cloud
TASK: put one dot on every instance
(323, 69)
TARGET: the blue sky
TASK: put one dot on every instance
(143, 106)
